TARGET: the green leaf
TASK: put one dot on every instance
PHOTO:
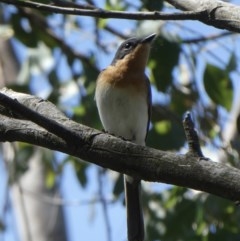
(166, 135)
(20, 164)
(102, 23)
(152, 5)
(232, 64)
(50, 178)
(219, 86)
(89, 114)
(2, 225)
(182, 99)
(118, 187)
(81, 169)
(116, 5)
(29, 38)
(164, 57)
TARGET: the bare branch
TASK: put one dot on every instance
(206, 38)
(58, 201)
(101, 13)
(110, 152)
(216, 13)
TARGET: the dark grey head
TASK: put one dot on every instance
(129, 45)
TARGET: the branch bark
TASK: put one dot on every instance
(111, 152)
(221, 14)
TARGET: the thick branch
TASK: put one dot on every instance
(113, 153)
(220, 14)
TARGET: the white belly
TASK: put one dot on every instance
(123, 113)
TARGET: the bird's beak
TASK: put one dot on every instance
(148, 39)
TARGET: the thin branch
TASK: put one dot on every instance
(219, 14)
(72, 4)
(115, 32)
(215, 13)
(101, 13)
(58, 201)
(110, 152)
(206, 38)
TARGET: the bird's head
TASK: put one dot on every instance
(133, 53)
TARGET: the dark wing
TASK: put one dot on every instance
(149, 102)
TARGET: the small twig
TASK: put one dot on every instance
(58, 201)
(192, 137)
(101, 13)
(116, 32)
(206, 38)
(62, 3)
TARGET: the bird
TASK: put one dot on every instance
(123, 99)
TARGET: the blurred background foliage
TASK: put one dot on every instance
(192, 67)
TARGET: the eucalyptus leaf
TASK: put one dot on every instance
(218, 86)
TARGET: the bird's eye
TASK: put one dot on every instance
(127, 45)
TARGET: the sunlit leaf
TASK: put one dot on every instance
(166, 135)
(50, 179)
(102, 22)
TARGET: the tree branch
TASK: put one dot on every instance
(108, 151)
(101, 13)
(215, 13)
(220, 14)
(206, 38)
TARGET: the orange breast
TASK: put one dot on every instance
(120, 77)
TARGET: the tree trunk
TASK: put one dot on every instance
(37, 219)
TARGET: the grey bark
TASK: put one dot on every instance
(220, 14)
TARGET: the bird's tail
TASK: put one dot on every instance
(135, 224)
